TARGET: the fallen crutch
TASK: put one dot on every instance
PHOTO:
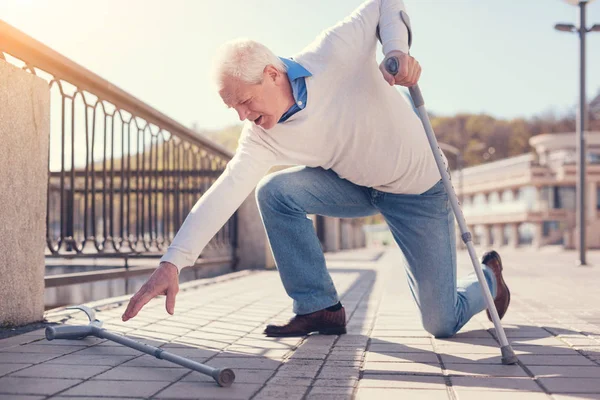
(224, 376)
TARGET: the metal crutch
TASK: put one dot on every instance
(223, 376)
(392, 65)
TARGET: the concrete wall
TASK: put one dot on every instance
(24, 132)
(346, 234)
(253, 247)
(332, 234)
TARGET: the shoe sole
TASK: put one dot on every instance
(328, 331)
(501, 283)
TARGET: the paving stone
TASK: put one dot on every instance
(347, 382)
(108, 350)
(491, 395)
(206, 390)
(402, 368)
(402, 381)
(190, 352)
(8, 368)
(552, 341)
(272, 392)
(47, 349)
(117, 388)
(245, 362)
(92, 398)
(342, 363)
(545, 350)
(338, 373)
(213, 345)
(299, 371)
(471, 359)
(395, 394)
(61, 371)
(458, 340)
(341, 355)
(494, 384)
(588, 396)
(76, 359)
(574, 360)
(13, 341)
(565, 372)
(497, 370)
(235, 351)
(581, 341)
(381, 333)
(175, 330)
(401, 340)
(123, 373)
(401, 357)
(465, 348)
(524, 332)
(571, 385)
(281, 380)
(357, 340)
(400, 348)
(88, 341)
(16, 385)
(330, 393)
(241, 376)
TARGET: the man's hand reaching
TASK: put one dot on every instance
(409, 70)
(165, 280)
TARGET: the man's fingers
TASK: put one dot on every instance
(163, 281)
(418, 76)
(403, 70)
(389, 78)
(412, 80)
(136, 306)
(132, 302)
(171, 293)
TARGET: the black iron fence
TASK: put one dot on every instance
(122, 176)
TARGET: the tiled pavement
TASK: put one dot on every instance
(553, 324)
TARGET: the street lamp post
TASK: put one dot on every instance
(581, 119)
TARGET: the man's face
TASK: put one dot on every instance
(262, 103)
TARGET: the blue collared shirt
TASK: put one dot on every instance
(297, 74)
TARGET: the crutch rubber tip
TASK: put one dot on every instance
(50, 333)
(224, 377)
(508, 355)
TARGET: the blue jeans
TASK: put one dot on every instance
(422, 225)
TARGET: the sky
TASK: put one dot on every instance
(499, 57)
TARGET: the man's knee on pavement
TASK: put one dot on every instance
(439, 328)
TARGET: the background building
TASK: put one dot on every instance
(531, 199)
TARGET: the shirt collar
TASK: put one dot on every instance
(295, 70)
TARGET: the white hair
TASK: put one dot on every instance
(246, 60)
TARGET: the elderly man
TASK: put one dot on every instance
(361, 150)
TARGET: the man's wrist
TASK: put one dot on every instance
(169, 266)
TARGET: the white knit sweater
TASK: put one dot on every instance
(354, 123)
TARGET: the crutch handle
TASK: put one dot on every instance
(68, 332)
(392, 65)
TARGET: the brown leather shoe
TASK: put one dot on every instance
(494, 262)
(323, 321)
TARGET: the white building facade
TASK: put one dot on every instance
(531, 199)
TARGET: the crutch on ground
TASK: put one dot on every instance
(392, 65)
(223, 376)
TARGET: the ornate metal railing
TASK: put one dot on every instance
(122, 176)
